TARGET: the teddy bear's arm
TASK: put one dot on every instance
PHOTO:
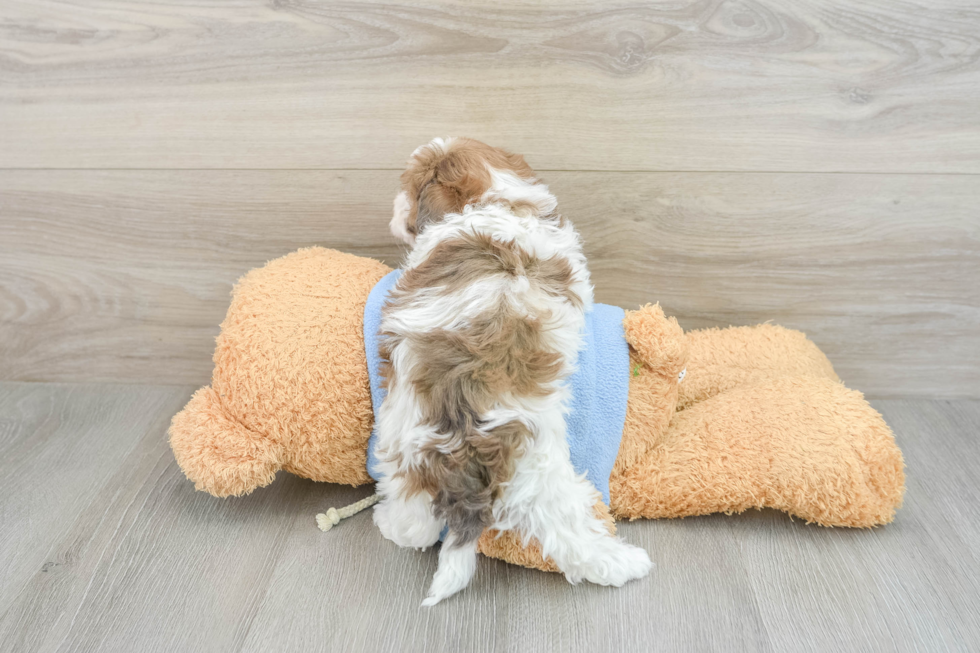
(658, 354)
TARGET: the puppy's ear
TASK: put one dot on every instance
(435, 201)
(432, 205)
(458, 179)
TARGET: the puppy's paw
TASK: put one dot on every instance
(617, 564)
(408, 523)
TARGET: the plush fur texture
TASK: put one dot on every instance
(290, 391)
(760, 421)
(479, 336)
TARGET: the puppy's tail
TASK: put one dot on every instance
(457, 563)
(469, 471)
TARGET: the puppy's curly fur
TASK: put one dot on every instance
(479, 337)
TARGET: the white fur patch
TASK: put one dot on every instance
(457, 564)
(399, 219)
(437, 143)
(508, 186)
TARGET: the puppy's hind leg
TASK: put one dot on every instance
(406, 521)
(547, 500)
(457, 564)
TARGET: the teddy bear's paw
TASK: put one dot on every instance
(617, 563)
(408, 523)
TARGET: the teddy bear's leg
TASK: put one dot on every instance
(722, 359)
(510, 547)
(219, 454)
(804, 445)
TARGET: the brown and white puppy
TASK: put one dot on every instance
(479, 337)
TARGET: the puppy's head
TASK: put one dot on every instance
(447, 174)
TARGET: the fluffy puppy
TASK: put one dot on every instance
(479, 336)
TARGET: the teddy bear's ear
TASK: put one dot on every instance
(657, 339)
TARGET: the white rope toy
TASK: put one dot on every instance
(330, 518)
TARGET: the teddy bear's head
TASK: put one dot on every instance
(289, 367)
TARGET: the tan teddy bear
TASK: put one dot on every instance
(760, 419)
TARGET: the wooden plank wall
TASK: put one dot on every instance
(814, 163)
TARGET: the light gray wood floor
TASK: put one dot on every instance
(104, 545)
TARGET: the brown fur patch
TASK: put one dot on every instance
(458, 379)
(438, 182)
(462, 373)
(465, 482)
(458, 262)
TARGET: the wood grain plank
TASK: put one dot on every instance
(145, 562)
(145, 274)
(61, 446)
(506, 608)
(813, 85)
(902, 587)
(142, 562)
(125, 275)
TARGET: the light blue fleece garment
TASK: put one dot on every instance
(599, 385)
